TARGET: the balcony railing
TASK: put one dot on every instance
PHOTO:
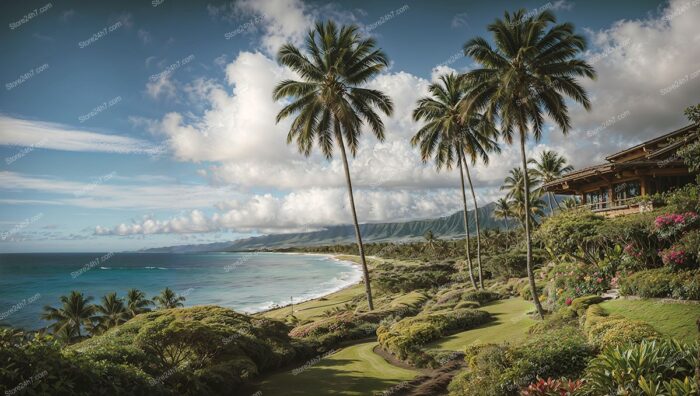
(612, 205)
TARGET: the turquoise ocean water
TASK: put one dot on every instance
(246, 282)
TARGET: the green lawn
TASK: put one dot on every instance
(674, 320)
(510, 324)
(355, 370)
(314, 308)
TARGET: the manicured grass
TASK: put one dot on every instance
(510, 324)
(315, 308)
(674, 320)
(355, 370)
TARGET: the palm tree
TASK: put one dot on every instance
(430, 239)
(112, 311)
(446, 134)
(74, 313)
(168, 299)
(533, 66)
(551, 166)
(331, 103)
(535, 208)
(136, 302)
(570, 203)
(503, 210)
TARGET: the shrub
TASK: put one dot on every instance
(662, 283)
(676, 257)
(582, 303)
(404, 337)
(639, 369)
(525, 292)
(552, 387)
(669, 226)
(482, 296)
(573, 233)
(202, 350)
(637, 233)
(401, 278)
(605, 330)
(36, 365)
(505, 370)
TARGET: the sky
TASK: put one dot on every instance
(127, 125)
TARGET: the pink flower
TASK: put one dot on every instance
(568, 301)
(599, 280)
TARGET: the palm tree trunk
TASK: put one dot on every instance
(466, 222)
(365, 271)
(476, 221)
(528, 238)
(507, 232)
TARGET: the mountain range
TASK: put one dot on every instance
(444, 227)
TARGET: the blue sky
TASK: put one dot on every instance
(142, 124)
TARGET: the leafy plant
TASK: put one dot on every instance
(647, 368)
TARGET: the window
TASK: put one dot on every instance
(626, 190)
(597, 199)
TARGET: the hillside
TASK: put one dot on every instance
(444, 227)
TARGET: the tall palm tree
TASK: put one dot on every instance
(331, 102)
(112, 311)
(446, 135)
(168, 299)
(548, 167)
(75, 312)
(503, 210)
(535, 207)
(532, 68)
(136, 302)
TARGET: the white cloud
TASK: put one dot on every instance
(283, 21)
(303, 210)
(36, 134)
(143, 192)
(636, 61)
(162, 86)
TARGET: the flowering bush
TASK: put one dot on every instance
(552, 387)
(576, 280)
(671, 225)
(676, 257)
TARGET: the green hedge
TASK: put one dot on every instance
(662, 283)
(605, 330)
(505, 370)
(404, 337)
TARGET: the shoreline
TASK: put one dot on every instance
(331, 256)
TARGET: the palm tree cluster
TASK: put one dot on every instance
(77, 313)
(532, 66)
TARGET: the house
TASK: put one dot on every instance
(647, 168)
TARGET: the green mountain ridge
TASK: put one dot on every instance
(451, 226)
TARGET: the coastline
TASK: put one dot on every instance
(334, 257)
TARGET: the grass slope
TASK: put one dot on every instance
(511, 325)
(355, 370)
(674, 320)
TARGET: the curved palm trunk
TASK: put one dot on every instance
(466, 222)
(505, 216)
(526, 220)
(476, 221)
(365, 271)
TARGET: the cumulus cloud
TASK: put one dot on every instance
(648, 72)
(304, 210)
(239, 144)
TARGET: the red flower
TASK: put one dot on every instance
(568, 301)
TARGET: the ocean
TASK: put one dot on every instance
(245, 282)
